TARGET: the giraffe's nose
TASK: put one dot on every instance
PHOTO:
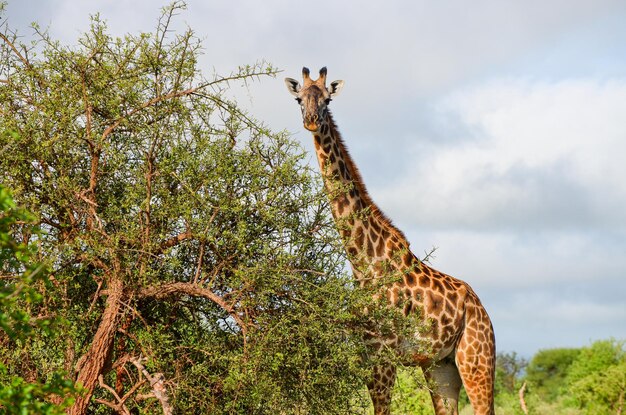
(311, 122)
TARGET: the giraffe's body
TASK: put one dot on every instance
(460, 342)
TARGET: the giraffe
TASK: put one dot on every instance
(460, 337)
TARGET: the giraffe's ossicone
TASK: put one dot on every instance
(460, 339)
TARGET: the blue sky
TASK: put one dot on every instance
(493, 130)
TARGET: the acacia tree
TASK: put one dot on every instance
(190, 251)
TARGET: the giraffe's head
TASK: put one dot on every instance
(313, 97)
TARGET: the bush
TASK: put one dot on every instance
(19, 296)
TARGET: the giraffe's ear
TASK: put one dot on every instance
(293, 86)
(335, 88)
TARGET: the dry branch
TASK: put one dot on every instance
(522, 402)
(157, 384)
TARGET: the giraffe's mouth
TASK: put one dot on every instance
(311, 126)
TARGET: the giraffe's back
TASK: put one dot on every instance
(446, 305)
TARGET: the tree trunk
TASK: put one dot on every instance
(90, 365)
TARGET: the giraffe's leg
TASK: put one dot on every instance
(384, 377)
(475, 359)
(445, 384)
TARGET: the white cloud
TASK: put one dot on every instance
(499, 262)
(534, 155)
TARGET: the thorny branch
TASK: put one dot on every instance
(173, 288)
(155, 100)
(428, 255)
(156, 383)
(21, 57)
(17, 52)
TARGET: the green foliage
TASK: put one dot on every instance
(18, 297)
(547, 371)
(509, 368)
(596, 358)
(590, 380)
(17, 396)
(14, 257)
(509, 371)
(601, 392)
(597, 378)
(410, 395)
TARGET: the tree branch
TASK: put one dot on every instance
(17, 52)
(175, 288)
(119, 406)
(522, 401)
(171, 95)
(173, 241)
(156, 383)
(196, 277)
(21, 57)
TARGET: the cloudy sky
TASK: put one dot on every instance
(493, 130)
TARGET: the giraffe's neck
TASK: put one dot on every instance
(347, 193)
(368, 236)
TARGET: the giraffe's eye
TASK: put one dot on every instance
(299, 100)
(327, 101)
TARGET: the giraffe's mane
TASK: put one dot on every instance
(358, 182)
